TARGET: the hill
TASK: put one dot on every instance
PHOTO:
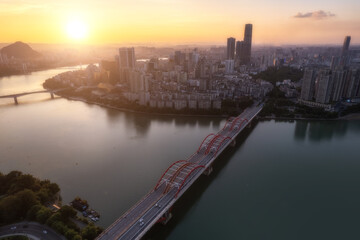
(20, 50)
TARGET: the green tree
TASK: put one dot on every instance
(90, 232)
(56, 217)
(43, 196)
(67, 212)
(59, 227)
(9, 209)
(77, 237)
(31, 214)
(43, 214)
(27, 199)
(70, 234)
(23, 182)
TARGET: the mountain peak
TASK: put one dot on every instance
(20, 50)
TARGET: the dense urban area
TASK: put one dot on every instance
(293, 82)
(296, 82)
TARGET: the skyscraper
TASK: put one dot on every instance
(239, 49)
(346, 46)
(345, 58)
(230, 50)
(245, 55)
(126, 58)
(324, 86)
(126, 63)
(307, 89)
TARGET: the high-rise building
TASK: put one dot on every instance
(230, 50)
(126, 63)
(346, 46)
(248, 34)
(245, 55)
(127, 58)
(239, 49)
(352, 83)
(308, 84)
(324, 86)
(345, 58)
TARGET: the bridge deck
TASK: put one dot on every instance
(32, 92)
(157, 202)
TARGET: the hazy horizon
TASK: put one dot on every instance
(175, 22)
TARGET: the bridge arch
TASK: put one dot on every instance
(175, 175)
(234, 122)
(212, 143)
(158, 182)
(211, 134)
(226, 124)
(187, 176)
(223, 140)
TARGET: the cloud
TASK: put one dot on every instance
(318, 15)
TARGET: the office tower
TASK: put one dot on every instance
(345, 58)
(338, 79)
(245, 56)
(248, 34)
(352, 83)
(308, 84)
(239, 47)
(333, 63)
(346, 46)
(126, 63)
(127, 58)
(324, 86)
(230, 50)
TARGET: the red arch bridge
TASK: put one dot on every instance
(176, 179)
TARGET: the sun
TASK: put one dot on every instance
(76, 30)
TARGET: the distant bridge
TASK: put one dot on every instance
(178, 177)
(16, 95)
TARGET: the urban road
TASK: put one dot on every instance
(32, 230)
(155, 206)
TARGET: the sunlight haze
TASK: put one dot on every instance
(175, 21)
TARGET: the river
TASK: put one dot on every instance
(283, 180)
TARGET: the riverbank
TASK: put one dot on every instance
(141, 112)
(353, 116)
(19, 73)
(348, 117)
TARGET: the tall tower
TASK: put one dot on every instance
(308, 84)
(239, 49)
(346, 46)
(126, 63)
(246, 53)
(230, 50)
(127, 58)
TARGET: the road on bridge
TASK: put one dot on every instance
(176, 180)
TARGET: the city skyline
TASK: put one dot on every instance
(176, 22)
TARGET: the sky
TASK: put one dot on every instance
(274, 22)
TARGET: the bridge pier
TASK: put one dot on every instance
(249, 125)
(233, 143)
(208, 171)
(15, 100)
(52, 95)
(165, 218)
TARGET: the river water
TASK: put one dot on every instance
(283, 180)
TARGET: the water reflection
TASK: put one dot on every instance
(322, 130)
(300, 130)
(141, 124)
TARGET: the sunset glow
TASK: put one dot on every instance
(76, 30)
(175, 21)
